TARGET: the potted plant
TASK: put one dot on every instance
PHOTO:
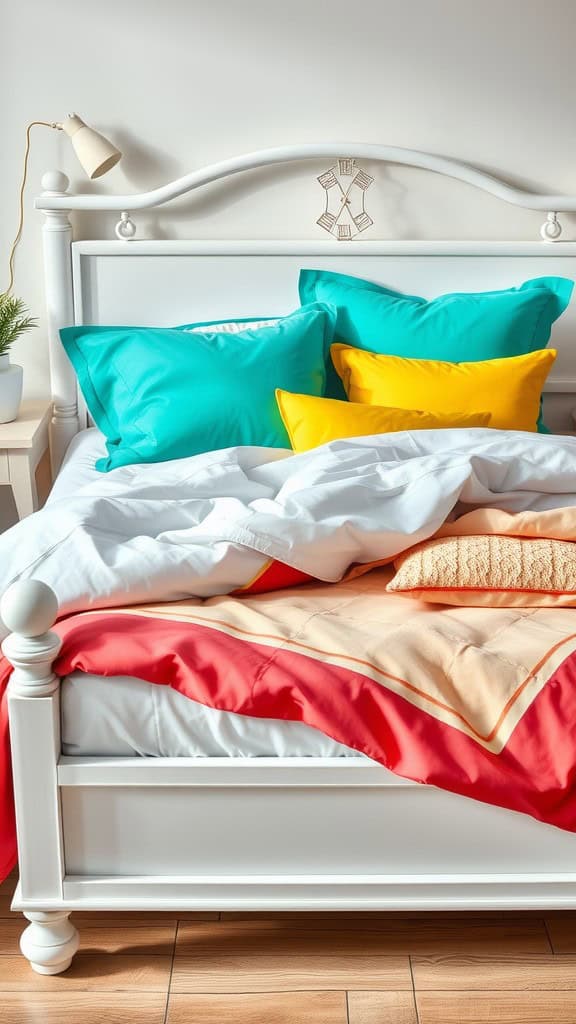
(14, 321)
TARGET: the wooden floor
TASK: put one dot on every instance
(293, 968)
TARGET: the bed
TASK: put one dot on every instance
(270, 819)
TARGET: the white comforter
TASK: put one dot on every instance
(206, 525)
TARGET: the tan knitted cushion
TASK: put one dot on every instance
(489, 570)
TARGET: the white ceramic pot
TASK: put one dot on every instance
(10, 389)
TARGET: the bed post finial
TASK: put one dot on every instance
(29, 608)
(57, 239)
(54, 183)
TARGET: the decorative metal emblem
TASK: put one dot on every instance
(345, 185)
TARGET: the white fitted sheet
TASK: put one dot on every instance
(123, 717)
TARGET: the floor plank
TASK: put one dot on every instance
(5, 901)
(517, 973)
(568, 914)
(105, 973)
(82, 1008)
(491, 1007)
(10, 931)
(7, 888)
(155, 938)
(381, 1008)
(230, 938)
(375, 918)
(562, 931)
(271, 1008)
(9, 883)
(265, 973)
(121, 918)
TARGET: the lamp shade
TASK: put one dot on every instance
(96, 153)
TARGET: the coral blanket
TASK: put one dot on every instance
(480, 701)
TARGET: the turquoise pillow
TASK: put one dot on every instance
(163, 393)
(455, 328)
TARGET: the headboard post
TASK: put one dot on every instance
(57, 239)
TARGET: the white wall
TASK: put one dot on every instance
(180, 83)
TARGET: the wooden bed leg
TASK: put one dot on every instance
(49, 942)
(29, 608)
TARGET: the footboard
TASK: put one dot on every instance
(240, 833)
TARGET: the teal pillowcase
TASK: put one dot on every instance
(164, 393)
(459, 327)
(455, 328)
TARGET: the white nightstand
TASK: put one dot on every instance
(23, 446)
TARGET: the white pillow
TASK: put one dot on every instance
(232, 327)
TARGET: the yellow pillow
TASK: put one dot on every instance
(311, 421)
(500, 572)
(510, 388)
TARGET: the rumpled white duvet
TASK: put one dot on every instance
(206, 525)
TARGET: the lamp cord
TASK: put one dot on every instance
(47, 124)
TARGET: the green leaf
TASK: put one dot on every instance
(14, 321)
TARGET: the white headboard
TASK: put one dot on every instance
(172, 282)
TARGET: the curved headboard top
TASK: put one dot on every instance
(53, 199)
(180, 281)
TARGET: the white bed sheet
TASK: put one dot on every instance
(122, 717)
(77, 470)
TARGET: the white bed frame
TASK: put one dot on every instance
(225, 833)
